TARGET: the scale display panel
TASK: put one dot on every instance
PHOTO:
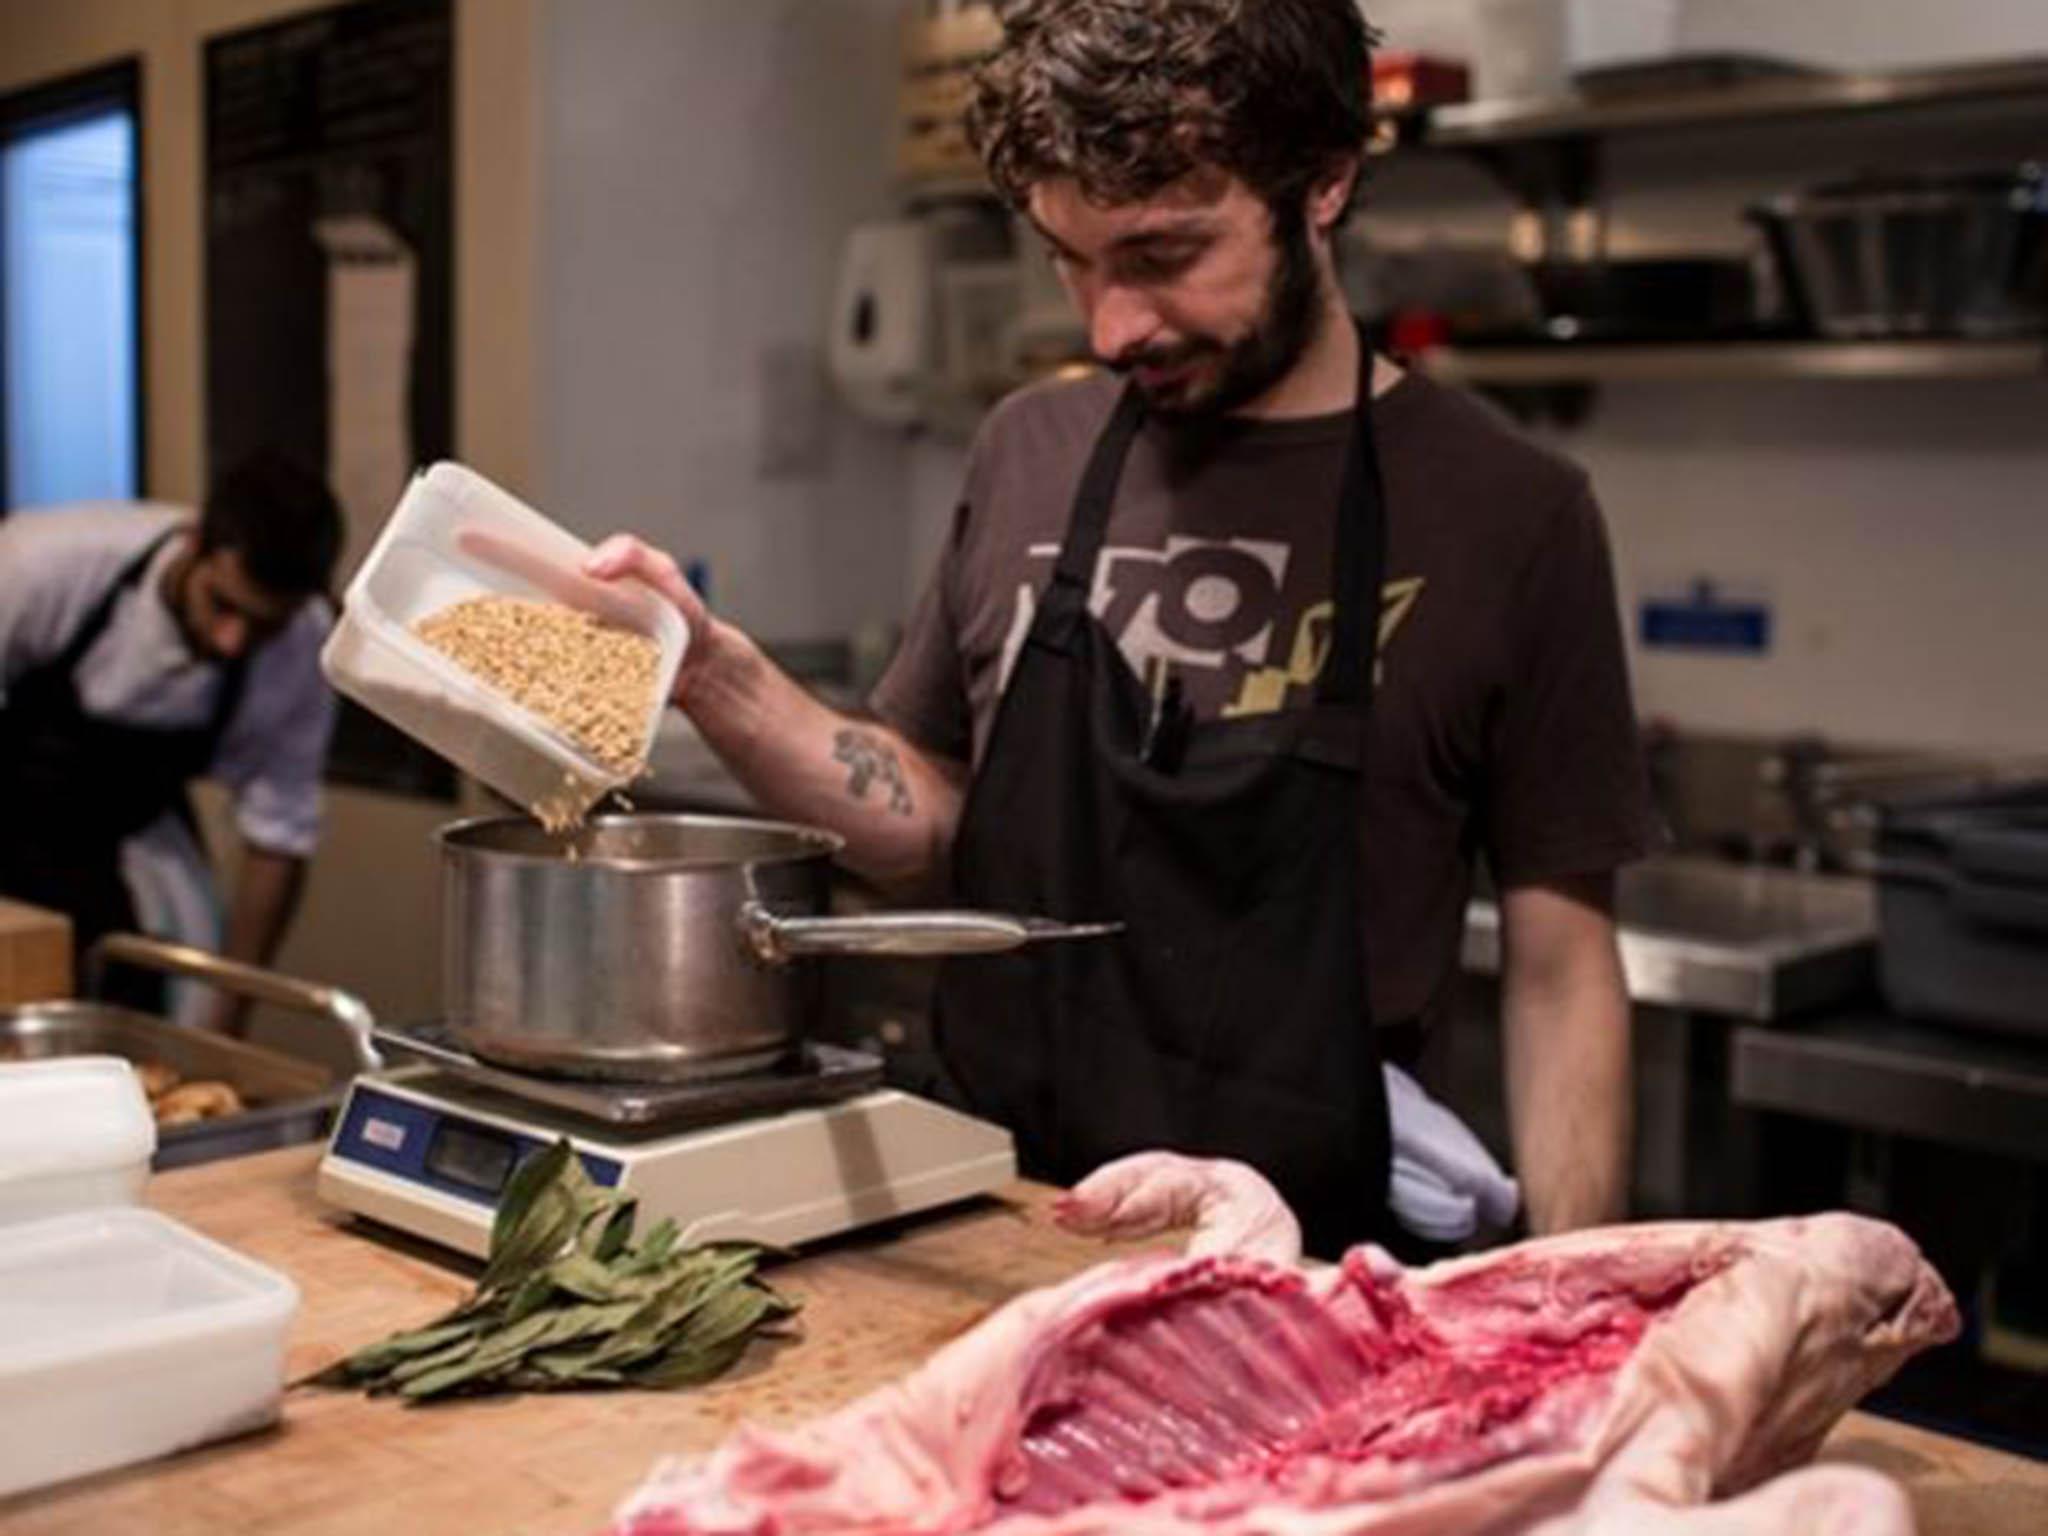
(441, 1149)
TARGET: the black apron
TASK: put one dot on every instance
(1230, 1017)
(74, 787)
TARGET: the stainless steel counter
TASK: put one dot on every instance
(1739, 941)
(1876, 1072)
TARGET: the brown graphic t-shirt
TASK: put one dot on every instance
(1502, 722)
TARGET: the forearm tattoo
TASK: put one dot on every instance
(871, 760)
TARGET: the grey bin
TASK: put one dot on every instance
(1963, 908)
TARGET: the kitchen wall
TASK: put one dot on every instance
(701, 165)
(1899, 529)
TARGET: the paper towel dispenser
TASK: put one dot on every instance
(882, 319)
(942, 312)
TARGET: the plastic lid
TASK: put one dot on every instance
(117, 1284)
(80, 1114)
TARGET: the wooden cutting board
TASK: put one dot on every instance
(35, 954)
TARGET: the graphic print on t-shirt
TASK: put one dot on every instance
(1214, 609)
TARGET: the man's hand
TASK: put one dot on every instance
(1565, 1035)
(624, 555)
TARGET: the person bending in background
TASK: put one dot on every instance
(142, 647)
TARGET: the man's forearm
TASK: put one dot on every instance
(895, 806)
(1565, 1036)
(267, 891)
(1571, 1109)
(266, 899)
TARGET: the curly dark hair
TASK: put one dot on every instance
(1127, 96)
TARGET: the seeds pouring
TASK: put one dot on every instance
(471, 628)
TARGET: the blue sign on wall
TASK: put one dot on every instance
(1704, 619)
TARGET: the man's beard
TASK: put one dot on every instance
(178, 601)
(1256, 362)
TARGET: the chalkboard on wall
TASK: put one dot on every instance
(329, 277)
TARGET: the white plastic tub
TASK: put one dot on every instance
(125, 1336)
(75, 1133)
(455, 535)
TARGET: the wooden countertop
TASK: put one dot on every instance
(875, 1304)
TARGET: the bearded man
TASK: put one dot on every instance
(1251, 643)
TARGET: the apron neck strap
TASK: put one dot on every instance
(234, 674)
(1360, 556)
(87, 635)
(1360, 553)
(1092, 504)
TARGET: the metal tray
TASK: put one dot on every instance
(290, 1100)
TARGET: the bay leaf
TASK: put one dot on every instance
(584, 1277)
(532, 1293)
(379, 1358)
(549, 1226)
(430, 1364)
(605, 1240)
(653, 1250)
(538, 1172)
(439, 1383)
(691, 1364)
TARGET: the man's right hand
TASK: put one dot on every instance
(624, 555)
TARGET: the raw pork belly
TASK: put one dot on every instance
(1608, 1381)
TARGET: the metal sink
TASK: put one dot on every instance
(1742, 941)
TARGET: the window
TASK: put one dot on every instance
(70, 291)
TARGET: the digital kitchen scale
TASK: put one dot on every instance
(808, 1149)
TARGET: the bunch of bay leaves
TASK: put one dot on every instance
(568, 1300)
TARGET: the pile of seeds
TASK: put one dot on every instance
(569, 1300)
(592, 681)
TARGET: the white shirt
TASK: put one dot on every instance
(56, 563)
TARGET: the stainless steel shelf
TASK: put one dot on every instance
(1891, 1075)
(1586, 363)
(1480, 124)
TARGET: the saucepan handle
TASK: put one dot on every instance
(777, 940)
(343, 1008)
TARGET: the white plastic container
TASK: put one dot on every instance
(125, 1336)
(75, 1134)
(455, 535)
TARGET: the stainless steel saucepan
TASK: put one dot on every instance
(662, 947)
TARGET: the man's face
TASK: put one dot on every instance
(224, 613)
(1197, 293)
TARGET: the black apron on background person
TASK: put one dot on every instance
(1230, 1018)
(74, 787)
